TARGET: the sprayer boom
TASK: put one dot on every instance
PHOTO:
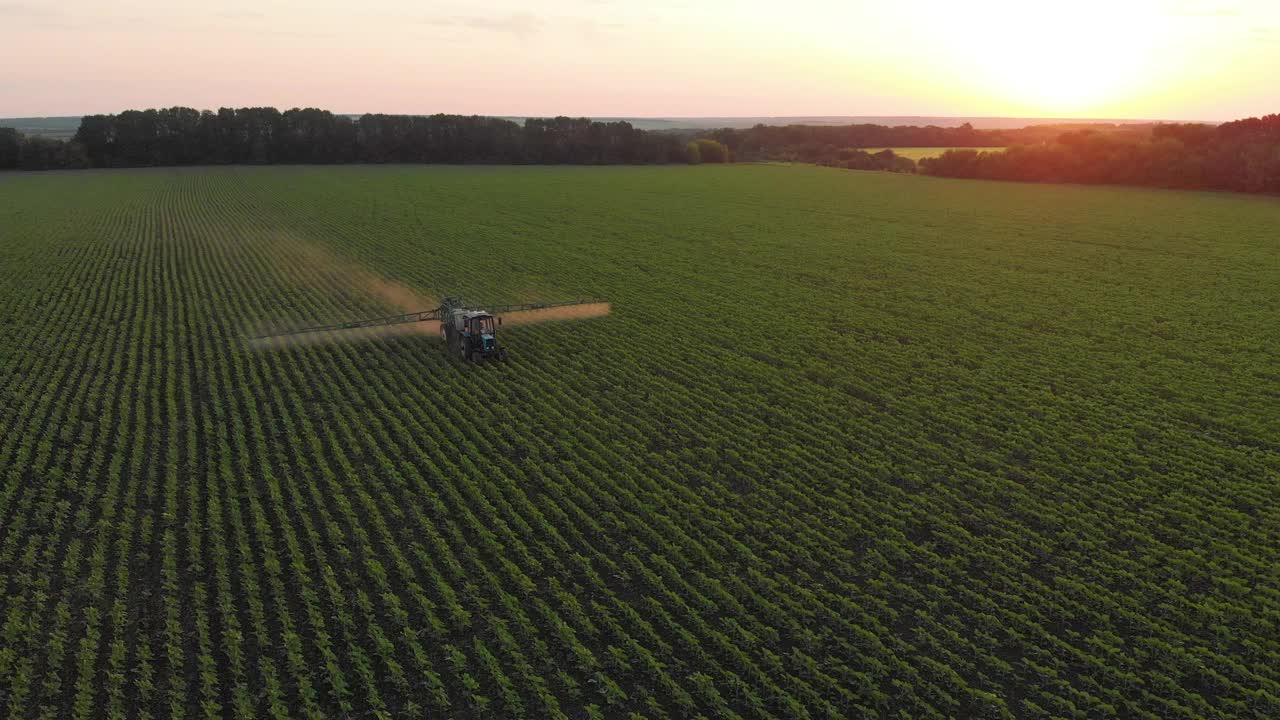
(420, 316)
(467, 329)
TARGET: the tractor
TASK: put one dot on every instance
(470, 334)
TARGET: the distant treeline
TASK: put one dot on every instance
(262, 136)
(1243, 156)
(184, 136)
(27, 152)
(822, 144)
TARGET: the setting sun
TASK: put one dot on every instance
(1170, 59)
(1047, 59)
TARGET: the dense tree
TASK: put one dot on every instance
(855, 159)
(1242, 156)
(22, 152)
(10, 148)
(819, 144)
(692, 153)
(712, 151)
(182, 136)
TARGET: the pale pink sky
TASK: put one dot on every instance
(657, 58)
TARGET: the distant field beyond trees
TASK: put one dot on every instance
(850, 445)
(917, 154)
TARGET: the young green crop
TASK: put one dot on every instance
(848, 445)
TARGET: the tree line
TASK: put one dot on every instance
(823, 144)
(855, 159)
(27, 152)
(1242, 156)
(184, 136)
(265, 135)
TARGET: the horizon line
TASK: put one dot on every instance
(908, 116)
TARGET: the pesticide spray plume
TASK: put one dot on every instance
(467, 331)
(568, 312)
(419, 322)
(344, 273)
(329, 271)
(351, 335)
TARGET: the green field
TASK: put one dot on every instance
(849, 444)
(920, 153)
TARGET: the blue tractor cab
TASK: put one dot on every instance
(472, 334)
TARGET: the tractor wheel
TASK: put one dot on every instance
(476, 357)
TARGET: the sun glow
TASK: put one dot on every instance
(1055, 58)
(1170, 59)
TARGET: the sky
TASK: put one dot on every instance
(1150, 59)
